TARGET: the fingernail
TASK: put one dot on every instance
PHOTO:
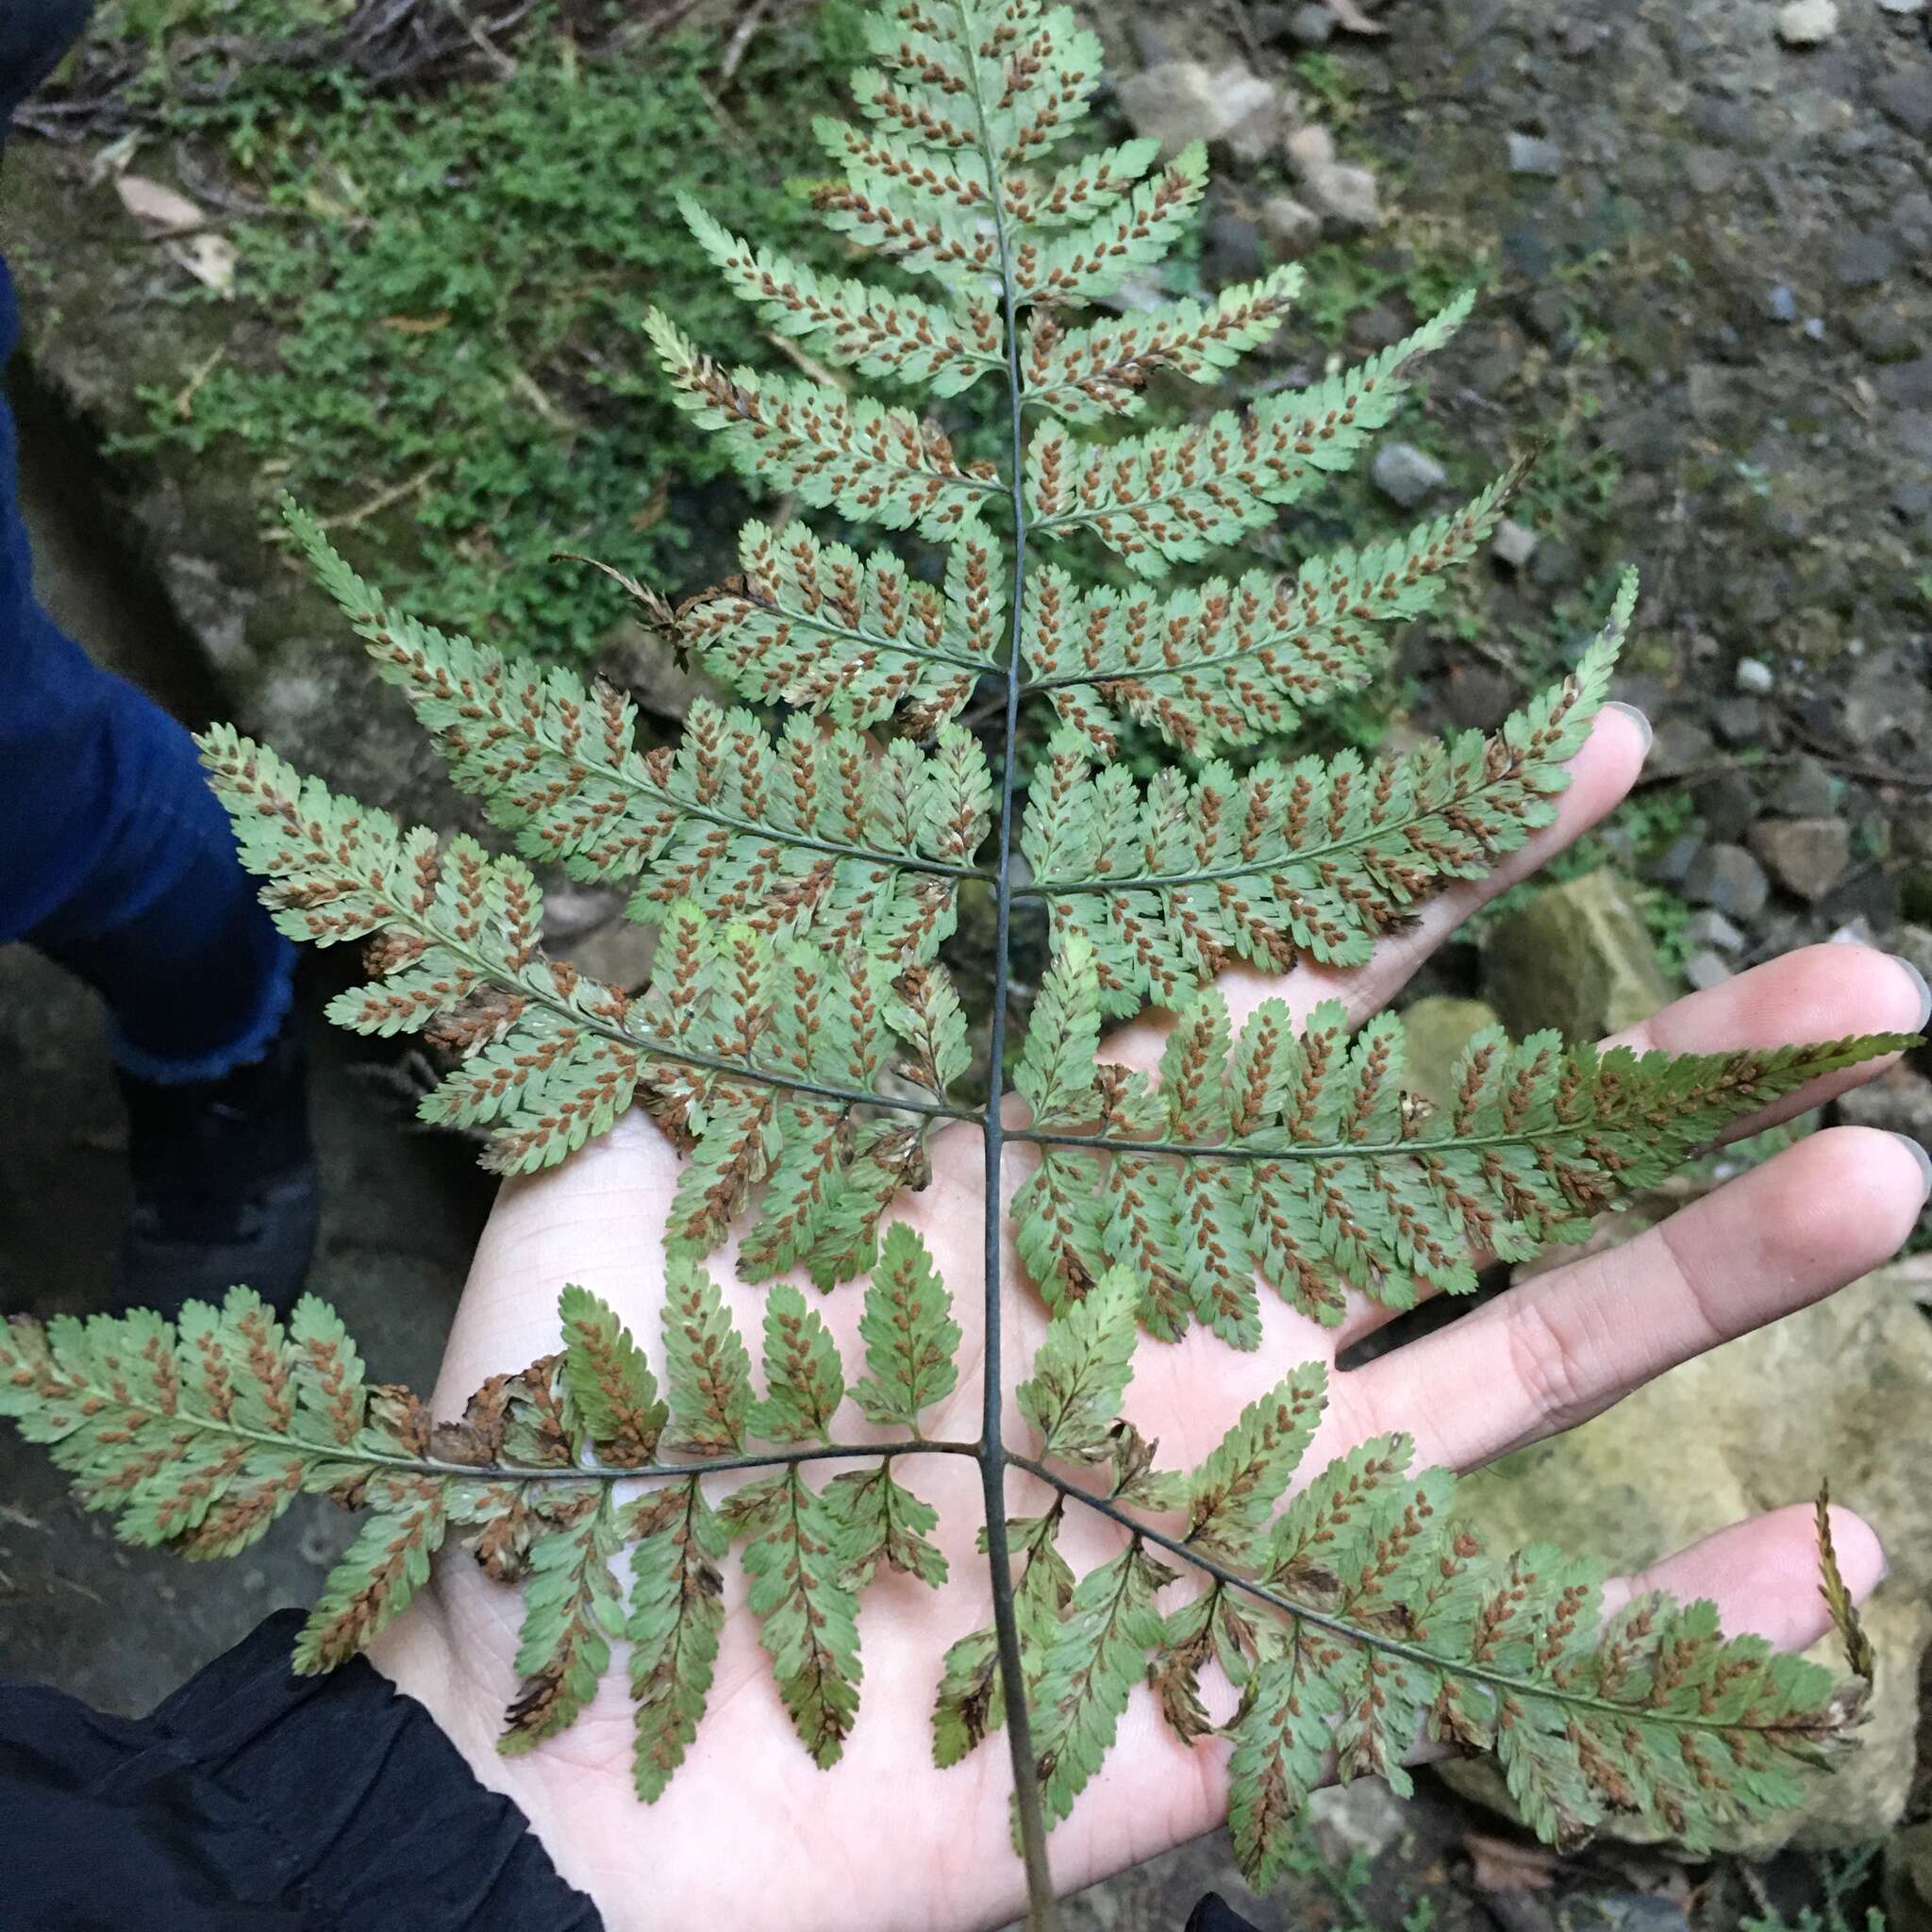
(1923, 1159)
(1918, 979)
(1636, 717)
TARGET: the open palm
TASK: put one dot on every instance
(750, 1833)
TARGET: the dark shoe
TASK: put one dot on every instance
(225, 1183)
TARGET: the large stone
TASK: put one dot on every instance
(1408, 475)
(1899, 1101)
(1806, 856)
(1344, 195)
(1578, 958)
(1179, 101)
(1433, 1032)
(1727, 877)
(1844, 1387)
(1807, 23)
(1290, 226)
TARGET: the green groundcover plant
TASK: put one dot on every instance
(800, 1039)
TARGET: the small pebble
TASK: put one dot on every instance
(1530, 153)
(1513, 544)
(1781, 304)
(1705, 967)
(1710, 930)
(1807, 23)
(1407, 474)
(1754, 675)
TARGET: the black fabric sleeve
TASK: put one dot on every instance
(1214, 1914)
(253, 1799)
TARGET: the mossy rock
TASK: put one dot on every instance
(1576, 956)
(1742, 1431)
(1434, 1031)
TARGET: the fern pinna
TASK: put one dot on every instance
(802, 858)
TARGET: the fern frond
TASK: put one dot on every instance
(1170, 883)
(1364, 1618)
(815, 626)
(903, 336)
(1299, 1159)
(1173, 495)
(860, 457)
(1224, 664)
(811, 834)
(1088, 374)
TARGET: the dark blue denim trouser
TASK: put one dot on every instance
(115, 858)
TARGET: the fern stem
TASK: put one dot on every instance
(1041, 1909)
(1543, 1690)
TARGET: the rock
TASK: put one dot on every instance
(1513, 544)
(1434, 1031)
(1738, 720)
(1530, 153)
(1899, 1101)
(1710, 929)
(1639, 1911)
(1178, 101)
(1754, 675)
(1908, 384)
(1846, 1384)
(1673, 865)
(1780, 304)
(1312, 26)
(618, 953)
(1885, 329)
(1290, 227)
(1807, 23)
(1408, 475)
(572, 912)
(1576, 956)
(1907, 1891)
(1806, 856)
(1680, 745)
(1887, 694)
(644, 663)
(1728, 804)
(1344, 195)
(1906, 96)
(1902, 5)
(1729, 879)
(1230, 249)
(1807, 791)
(1706, 967)
(1309, 150)
(1478, 698)
(1913, 944)
(1864, 258)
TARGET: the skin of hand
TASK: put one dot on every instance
(751, 1833)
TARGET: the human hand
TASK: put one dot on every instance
(751, 1833)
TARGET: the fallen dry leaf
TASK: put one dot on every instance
(164, 210)
(209, 258)
(1503, 1864)
(1353, 19)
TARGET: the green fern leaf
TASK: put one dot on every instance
(1175, 495)
(379, 1573)
(796, 1558)
(852, 455)
(804, 1380)
(609, 1382)
(883, 1522)
(1233, 1493)
(1082, 1369)
(677, 1611)
(571, 1610)
(708, 1368)
(1222, 664)
(1319, 859)
(815, 626)
(879, 335)
(910, 1334)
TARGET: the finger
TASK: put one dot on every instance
(1600, 775)
(1762, 1574)
(1565, 1346)
(1820, 992)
